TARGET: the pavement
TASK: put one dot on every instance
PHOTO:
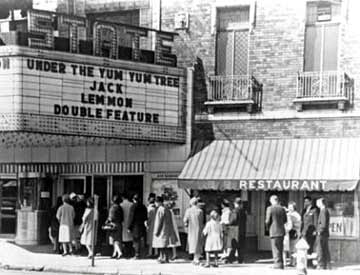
(39, 258)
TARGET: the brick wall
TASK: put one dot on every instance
(278, 128)
(276, 46)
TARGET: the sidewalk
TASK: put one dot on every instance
(15, 257)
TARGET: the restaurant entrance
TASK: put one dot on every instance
(263, 234)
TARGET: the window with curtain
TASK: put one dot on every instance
(232, 41)
(321, 36)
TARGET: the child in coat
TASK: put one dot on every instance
(214, 237)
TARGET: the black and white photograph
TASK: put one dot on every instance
(172, 137)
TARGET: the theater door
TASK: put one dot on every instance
(8, 199)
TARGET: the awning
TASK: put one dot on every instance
(316, 164)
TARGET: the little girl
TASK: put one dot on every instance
(214, 236)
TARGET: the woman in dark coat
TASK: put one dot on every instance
(115, 218)
(164, 233)
(54, 226)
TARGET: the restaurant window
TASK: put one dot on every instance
(232, 40)
(343, 222)
(321, 36)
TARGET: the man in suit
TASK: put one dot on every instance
(309, 217)
(322, 231)
(238, 219)
(275, 222)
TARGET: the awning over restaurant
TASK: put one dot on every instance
(317, 164)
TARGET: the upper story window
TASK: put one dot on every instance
(232, 41)
(322, 82)
(233, 87)
(130, 17)
(321, 36)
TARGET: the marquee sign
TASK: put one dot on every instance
(107, 100)
(44, 26)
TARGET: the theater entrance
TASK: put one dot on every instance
(8, 199)
(128, 184)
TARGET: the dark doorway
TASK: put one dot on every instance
(128, 184)
(8, 198)
(283, 200)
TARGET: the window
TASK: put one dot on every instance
(321, 36)
(343, 220)
(232, 41)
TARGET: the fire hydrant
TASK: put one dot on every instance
(301, 256)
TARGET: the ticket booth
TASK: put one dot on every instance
(34, 199)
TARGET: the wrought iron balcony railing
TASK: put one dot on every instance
(326, 86)
(234, 90)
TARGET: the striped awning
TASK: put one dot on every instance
(316, 164)
(124, 167)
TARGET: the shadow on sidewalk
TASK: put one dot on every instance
(261, 257)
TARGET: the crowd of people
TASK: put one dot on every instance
(286, 227)
(131, 227)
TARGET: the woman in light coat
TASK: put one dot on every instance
(164, 233)
(66, 214)
(292, 230)
(193, 221)
(87, 227)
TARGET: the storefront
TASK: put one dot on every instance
(291, 168)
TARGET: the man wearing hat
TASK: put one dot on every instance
(238, 219)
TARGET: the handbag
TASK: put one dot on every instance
(109, 226)
(293, 235)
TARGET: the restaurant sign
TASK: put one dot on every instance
(109, 101)
(283, 185)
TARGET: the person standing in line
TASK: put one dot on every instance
(309, 217)
(193, 221)
(87, 227)
(322, 231)
(163, 230)
(66, 214)
(54, 226)
(173, 245)
(228, 235)
(151, 211)
(214, 238)
(292, 232)
(137, 225)
(127, 237)
(275, 222)
(239, 219)
(116, 218)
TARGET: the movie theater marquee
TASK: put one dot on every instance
(121, 103)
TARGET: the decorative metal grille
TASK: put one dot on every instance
(232, 52)
(324, 84)
(86, 127)
(241, 52)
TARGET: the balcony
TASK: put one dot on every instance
(231, 91)
(326, 88)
